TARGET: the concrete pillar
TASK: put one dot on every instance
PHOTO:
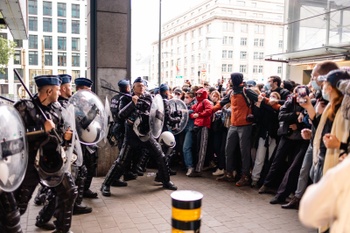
(109, 46)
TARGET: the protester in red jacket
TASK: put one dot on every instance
(202, 120)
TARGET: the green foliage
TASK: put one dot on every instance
(6, 51)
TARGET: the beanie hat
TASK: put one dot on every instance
(236, 79)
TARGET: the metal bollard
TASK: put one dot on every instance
(186, 211)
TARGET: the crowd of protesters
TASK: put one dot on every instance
(277, 137)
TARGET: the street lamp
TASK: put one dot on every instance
(159, 42)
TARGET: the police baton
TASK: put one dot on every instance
(7, 99)
(36, 104)
(124, 94)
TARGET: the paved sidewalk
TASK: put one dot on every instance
(145, 207)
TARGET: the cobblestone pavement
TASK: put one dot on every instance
(146, 207)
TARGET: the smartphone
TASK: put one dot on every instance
(301, 95)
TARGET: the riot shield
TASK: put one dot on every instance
(178, 108)
(156, 116)
(108, 118)
(90, 117)
(13, 149)
(69, 123)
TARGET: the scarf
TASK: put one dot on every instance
(340, 129)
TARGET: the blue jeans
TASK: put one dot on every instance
(187, 144)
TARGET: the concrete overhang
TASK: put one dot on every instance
(312, 55)
(15, 16)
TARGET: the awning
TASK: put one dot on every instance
(15, 15)
(312, 55)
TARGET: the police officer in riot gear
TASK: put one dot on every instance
(136, 109)
(89, 152)
(119, 128)
(13, 162)
(79, 173)
(47, 139)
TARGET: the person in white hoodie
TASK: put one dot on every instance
(328, 202)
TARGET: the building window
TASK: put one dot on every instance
(193, 46)
(224, 40)
(48, 42)
(229, 68)
(48, 58)
(224, 68)
(228, 27)
(62, 59)
(256, 42)
(75, 74)
(62, 43)
(243, 55)
(33, 41)
(244, 41)
(32, 7)
(17, 57)
(259, 29)
(33, 24)
(4, 76)
(208, 27)
(260, 69)
(47, 24)
(256, 56)
(75, 44)
(61, 25)
(19, 43)
(230, 40)
(255, 69)
(224, 53)
(75, 27)
(261, 55)
(47, 8)
(279, 70)
(280, 44)
(230, 54)
(244, 27)
(75, 59)
(75, 11)
(243, 68)
(61, 9)
(261, 42)
(192, 59)
(33, 58)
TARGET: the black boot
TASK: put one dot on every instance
(79, 208)
(129, 176)
(66, 195)
(119, 183)
(9, 213)
(46, 213)
(114, 173)
(169, 185)
(40, 197)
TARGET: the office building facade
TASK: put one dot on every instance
(56, 44)
(219, 37)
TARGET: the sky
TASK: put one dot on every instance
(145, 21)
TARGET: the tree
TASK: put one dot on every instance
(6, 51)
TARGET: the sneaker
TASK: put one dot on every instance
(244, 181)
(254, 184)
(189, 171)
(195, 174)
(226, 177)
(265, 189)
(218, 172)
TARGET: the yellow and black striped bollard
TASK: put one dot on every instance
(186, 211)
